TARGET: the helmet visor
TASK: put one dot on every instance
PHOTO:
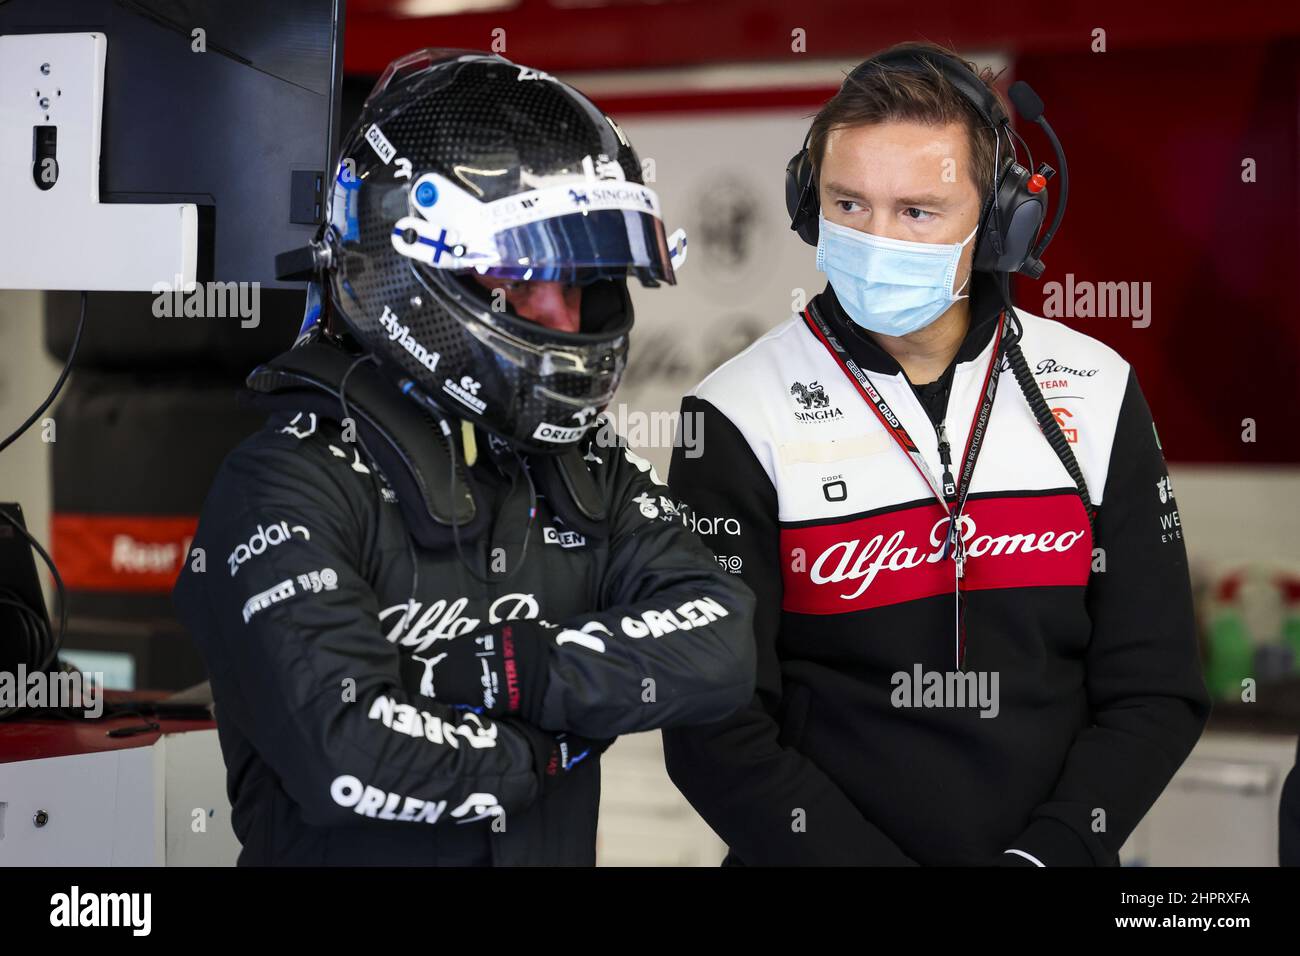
(576, 232)
(584, 247)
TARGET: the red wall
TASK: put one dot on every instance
(1155, 141)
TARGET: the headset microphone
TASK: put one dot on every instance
(1030, 107)
(1028, 103)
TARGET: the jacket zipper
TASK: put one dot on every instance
(945, 458)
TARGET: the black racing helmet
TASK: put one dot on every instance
(465, 163)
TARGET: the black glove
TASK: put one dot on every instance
(500, 671)
(557, 755)
(568, 752)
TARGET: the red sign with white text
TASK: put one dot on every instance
(870, 562)
(120, 552)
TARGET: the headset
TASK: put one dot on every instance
(1015, 205)
(1011, 217)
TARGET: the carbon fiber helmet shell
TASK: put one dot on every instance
(506, 141)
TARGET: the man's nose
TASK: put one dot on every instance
(547, 304)
(884, 229)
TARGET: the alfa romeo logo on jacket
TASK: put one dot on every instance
(880, 559)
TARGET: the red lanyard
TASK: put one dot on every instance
(974, 442)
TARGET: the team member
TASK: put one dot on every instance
(958, 663)
(430, 598)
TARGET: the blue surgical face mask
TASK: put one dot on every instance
(889, 286)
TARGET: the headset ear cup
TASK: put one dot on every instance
(793, 188)
(1011, 224)
(801, 202)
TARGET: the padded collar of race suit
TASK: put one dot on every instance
(410, 450)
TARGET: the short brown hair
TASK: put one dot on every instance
(884, 94)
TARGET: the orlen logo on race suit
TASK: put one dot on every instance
(692, 614)
(561, 434)
(406, 719)
(263, 538)
(565, 539)
(898, 556)
(368, 801)
(557, 434)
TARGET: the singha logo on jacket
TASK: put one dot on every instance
(815, 402)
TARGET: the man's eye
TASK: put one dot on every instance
(846, 205)
(919, 215)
